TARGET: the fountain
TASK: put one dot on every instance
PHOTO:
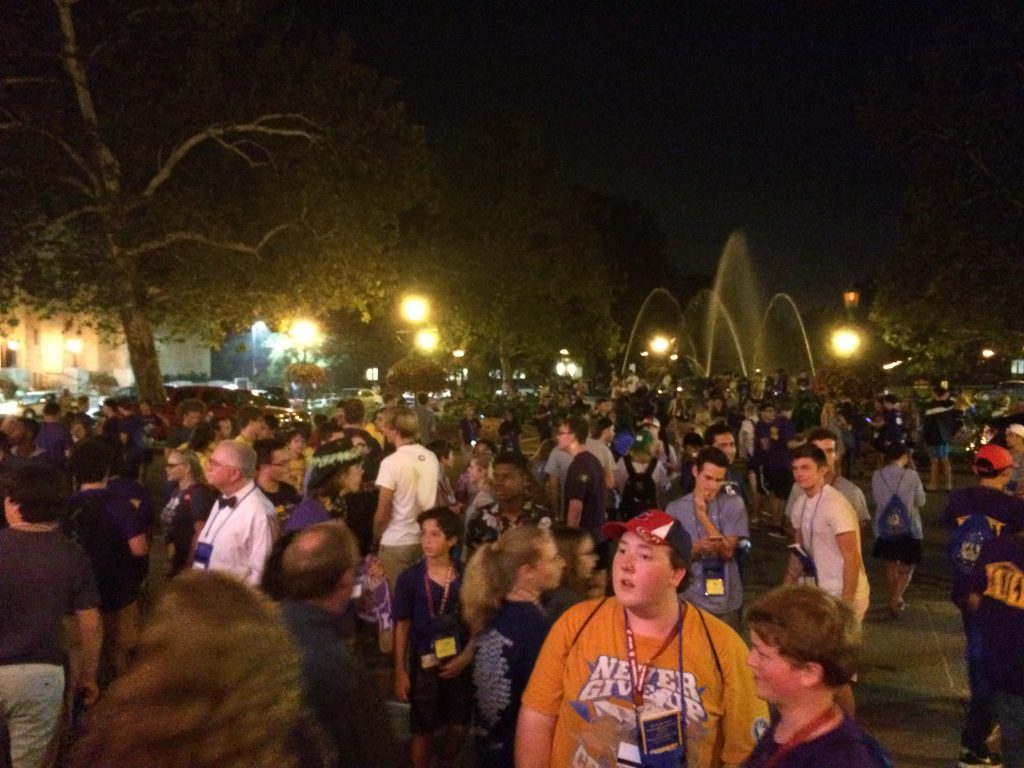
(727, 319)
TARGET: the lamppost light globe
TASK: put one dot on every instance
(459, 353)
(563, 352)
(659, 345)
(988, 353)
(845, 342)
(414, 309)
(305, 333)
(426, 340)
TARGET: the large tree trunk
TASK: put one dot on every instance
(137, 329)
(142, 352)
(506, 369)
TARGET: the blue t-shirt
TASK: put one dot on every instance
(845, 746)
(505, 654)
(411, 605)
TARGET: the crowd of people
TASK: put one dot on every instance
(583, 605)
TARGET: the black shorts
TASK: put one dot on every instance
(905, 549)
(778, 483)
(435, 702)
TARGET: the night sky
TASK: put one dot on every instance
(716, 115)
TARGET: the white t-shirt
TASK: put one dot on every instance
(411, 472)
(240, 536)
(603, 454)
(819, 519)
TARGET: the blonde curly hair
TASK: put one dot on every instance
(491, 572)
(216, 683)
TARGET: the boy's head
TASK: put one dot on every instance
(439, 531)
(808, 626)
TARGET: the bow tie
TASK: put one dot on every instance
(227, 501)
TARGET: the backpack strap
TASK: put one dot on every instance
(584, 624)
(649, 472)
(711, 643)
(628, 463)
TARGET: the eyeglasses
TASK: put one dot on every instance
(565, 432)
(172, 465)
(212, 462)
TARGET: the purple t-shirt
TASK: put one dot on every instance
(1003, 513)
(102, 523)
(584, 481)
(999, 577)
(770, 439)
(843, 746)
(55, 439)
(43, 577)
(307, 512)
(411, 605)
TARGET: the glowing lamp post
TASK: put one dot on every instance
(415, 309)
(304, 334)
(426, 340)
(74, 346)
(659, 345)
(845, 342)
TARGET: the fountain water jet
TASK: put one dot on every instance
(759, 349)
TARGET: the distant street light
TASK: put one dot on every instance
(304, 334)
(74, 346)
(988, 354)
(845, 342)
(415, 309)
(459, 353)
(659, 345)
(426, 340)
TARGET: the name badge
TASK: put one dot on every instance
(445, 647)
(428, 661)
(203, 552)
(661, 732)
(713, 571)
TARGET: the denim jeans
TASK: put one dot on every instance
(981, 709)
(1010, 708)
(31, 697)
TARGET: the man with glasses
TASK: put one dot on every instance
(240, 531)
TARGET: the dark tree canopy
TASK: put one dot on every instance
(955, 111)
(515, 267)
(194, 166)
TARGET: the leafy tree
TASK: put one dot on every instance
(955, 111)
(416, 374)
(514, 265)
(194, 166)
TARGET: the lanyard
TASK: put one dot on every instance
(809, 545)
(800, 736)
(213, 518)
(447, 585)
(638, 672)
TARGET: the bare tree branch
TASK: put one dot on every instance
(284, 125)
(29, 80)
(72, 154)
(197, 238)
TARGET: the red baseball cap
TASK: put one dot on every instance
(993, 457)
(655, 527)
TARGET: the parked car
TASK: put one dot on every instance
(226, 402)
(1014, 388)
(30, 403)
(370, 399)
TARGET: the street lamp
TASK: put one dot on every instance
(659, 345)
(988, 354)
(459, 354)
(426, 340)
(74, 346)
(415, 309)
(305, 334)
(258, 327)
(845, 341)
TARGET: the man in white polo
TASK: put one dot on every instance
(241, 527)
(408, 485)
